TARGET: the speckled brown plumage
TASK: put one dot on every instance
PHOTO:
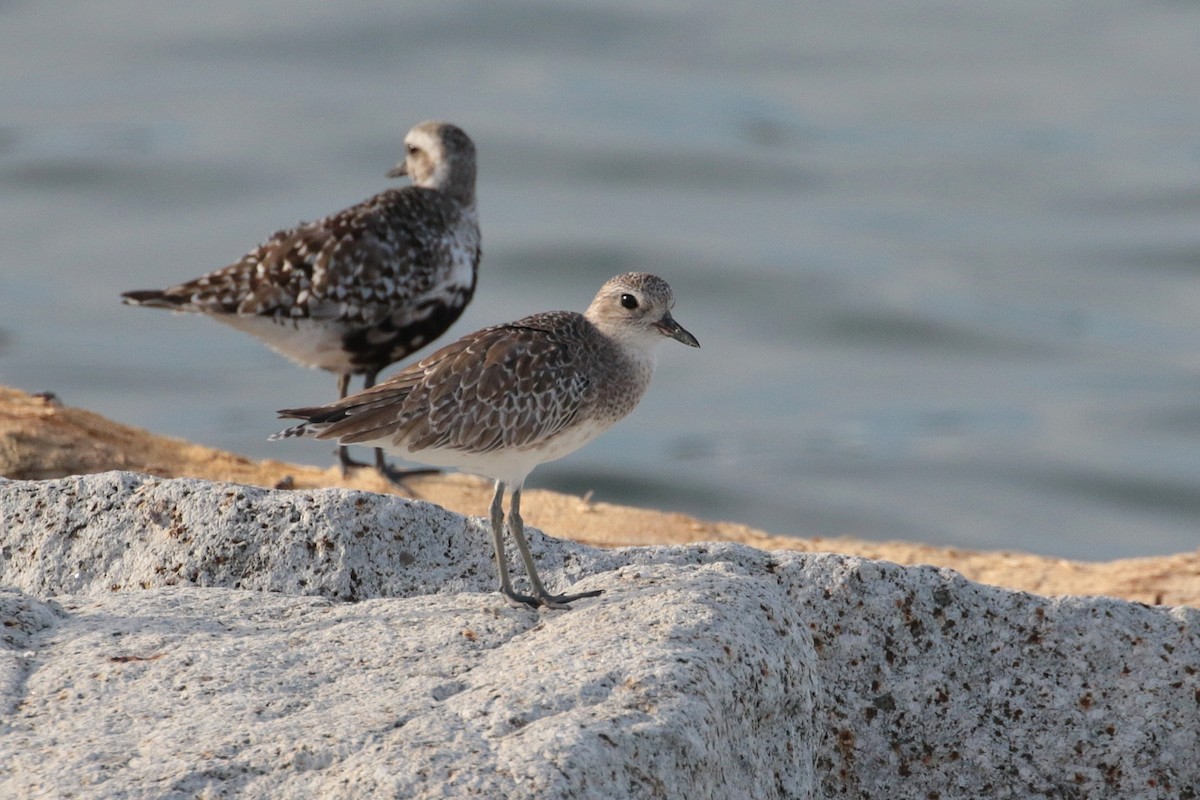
(360, 289)
(504, 399)
(377, 281)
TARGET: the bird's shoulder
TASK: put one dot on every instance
(512, 363)
(551, 337)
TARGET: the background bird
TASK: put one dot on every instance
(504, 399)
(360, 289)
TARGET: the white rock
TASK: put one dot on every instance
(174, 638)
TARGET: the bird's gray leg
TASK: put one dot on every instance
(498, 545)
(516, 526)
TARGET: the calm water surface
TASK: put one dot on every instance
(943, 259)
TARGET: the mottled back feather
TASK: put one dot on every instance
(355, 266)
(379, 279)
(504, 399)
(508, 386)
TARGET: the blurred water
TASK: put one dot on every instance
(943, 258)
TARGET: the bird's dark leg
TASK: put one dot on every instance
(506, 589)
(516, 526)
(391, 474)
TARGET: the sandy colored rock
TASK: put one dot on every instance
(41, 439)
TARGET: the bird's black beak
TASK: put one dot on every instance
(667, 326)
(398, 171)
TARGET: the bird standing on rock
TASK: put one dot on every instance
(360, 289)
(504, 399)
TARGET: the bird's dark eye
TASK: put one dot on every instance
(629, 301)
(412, 149)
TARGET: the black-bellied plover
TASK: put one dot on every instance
(502, 400)
(362, 288)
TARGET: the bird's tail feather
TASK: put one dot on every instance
(153, 298)
(293, 432)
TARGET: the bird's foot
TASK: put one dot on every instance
(545, 599)
(392, 474)
(395, 475)
(347, 463)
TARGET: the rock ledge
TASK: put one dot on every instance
(180, 638)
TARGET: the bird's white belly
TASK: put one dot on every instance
(307, 342)
(510, 466)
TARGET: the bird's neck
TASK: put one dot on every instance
(459, 186)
